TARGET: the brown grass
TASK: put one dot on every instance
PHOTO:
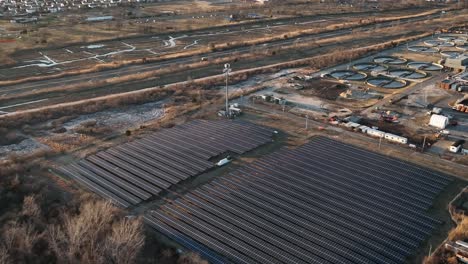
(251, 56)
(154, 93)
(131, 77)
(17, 164)
(65, 142)
(217, 47)
(460, 232)
(191, 258)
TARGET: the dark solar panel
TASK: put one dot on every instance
(324, 202)
(135, 171)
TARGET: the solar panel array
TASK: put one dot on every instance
(324, 202)
(134, 172)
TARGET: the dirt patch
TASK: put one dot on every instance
(322, 88)
(25, 146)
(118, 119)
(8, 138)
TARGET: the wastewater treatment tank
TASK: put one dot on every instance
(423, 49)
(451, 53)
(438, 43)
(369, 66)
(447, 38)
(407, 74)
(386, 82)
(427, 66)
(462, 47)
(348, 75)
(390, 60)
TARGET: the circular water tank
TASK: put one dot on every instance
(407, 73)
(390, 60)
(451, 53)
(447, 38)
(386, 82)
(438, 43)
(423, 49)
(348, 75)
(369, 66)
(427, 66)
(462, 47)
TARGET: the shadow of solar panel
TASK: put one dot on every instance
(324, 202)
(136, 171)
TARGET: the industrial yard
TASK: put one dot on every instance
(233, 132)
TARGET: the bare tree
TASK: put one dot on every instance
(191, 258)
(4, 256)
(30, 207)
(125, 241)
(98, 234)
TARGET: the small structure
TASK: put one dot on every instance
(395, 138)
(439, 121)
(437, 110)
(234, 109)
(458, 63)
(272, 99)
(99, 19)
(375, 133)
(460, 248)
(352, 125)
(446, 84)
(353, 118)
(456, 146)
(364, 129)
(461, 104)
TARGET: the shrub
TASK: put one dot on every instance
(191, 258)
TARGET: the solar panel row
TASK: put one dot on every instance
(324, 202)
(134, 172)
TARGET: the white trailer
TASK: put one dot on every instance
(375, 133)
(395, 138)
(364, 129)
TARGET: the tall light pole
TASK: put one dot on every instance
(227, 70)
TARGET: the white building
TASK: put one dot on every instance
(456, 146)
(375, 133)
(439, 121)
(395, 138)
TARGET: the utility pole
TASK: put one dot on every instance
(227, 70)
(424, 144)
(307, 122)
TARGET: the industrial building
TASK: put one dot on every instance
(458, 64)
(461, 104)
